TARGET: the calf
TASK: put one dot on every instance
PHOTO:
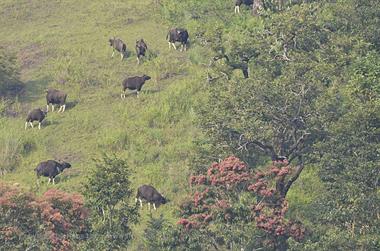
(118, 45)
(151, 195)
(178, 35)
(240, 2)
(55, 97)
(134, 83)
(141, 48)
(51, 168)
(35, 115)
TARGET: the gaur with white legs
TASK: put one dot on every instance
(55, 97)
(35, 115)
(141, 48)
(133, 83)
(118, 45)
(178, 35)
(51, 169)
(151, 195)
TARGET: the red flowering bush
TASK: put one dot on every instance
(217, 194)
(55, 220)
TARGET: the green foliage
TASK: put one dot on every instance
(108, 192)
(160, 234)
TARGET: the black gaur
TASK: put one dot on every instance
(55, 97)
(134, 83)
(151, 195)
(178, 35)
(35, 115)
(51, 168)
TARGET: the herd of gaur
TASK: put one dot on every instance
(51, 168)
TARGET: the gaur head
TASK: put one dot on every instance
(146, 77)
(111, 40)
(163, 200)
(64, 164)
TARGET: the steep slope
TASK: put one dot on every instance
(64, 44)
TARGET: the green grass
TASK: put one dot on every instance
(64, 44)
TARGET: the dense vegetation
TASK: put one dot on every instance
(263, 135)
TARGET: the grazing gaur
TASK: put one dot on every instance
(151, 195)
(55, 97)
(51, 168)
(240, 2)
(178, 35)
(141, 48)
(134, 83)
(118, 45)
(35, 115)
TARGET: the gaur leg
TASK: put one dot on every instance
(64, 107)
(169, 45)
(121, 55)
(31, 124)
(53, 181)
(138, 60)
(47, 107)
(113, 52)
(154, 206)
(237, 9)
(175, 47)
(140, 202)
(39, 125)
(52, 107)
(49, 180)
(137, 93)
(149, 206)
(60, 108)
(26, 125)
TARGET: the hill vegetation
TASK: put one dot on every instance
(272, 114)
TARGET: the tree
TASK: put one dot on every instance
(230, 197)
(108, 192)
(55, 221)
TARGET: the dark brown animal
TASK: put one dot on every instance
(178, 35)
(134, 83)
(55, 97)
(35, 115)
(151, 195)
(141, 49)
(118, 45)
(51, 168)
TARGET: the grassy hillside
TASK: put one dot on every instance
(64, 44)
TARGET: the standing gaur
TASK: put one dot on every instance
(151, 195)
(134, 83)
(35, 115)
(51, 168)
(55, 97)
(178, 35)
(141, 48)
(118, 45)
